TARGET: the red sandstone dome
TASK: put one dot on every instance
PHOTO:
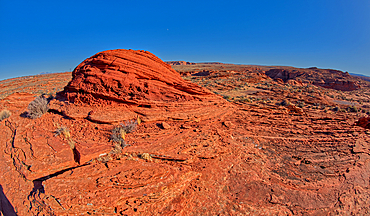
(131, 77)
(117, 85)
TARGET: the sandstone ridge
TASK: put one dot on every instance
(130, 83)
(129, 76)
(326, 78)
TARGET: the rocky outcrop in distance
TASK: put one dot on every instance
(180, 63)
(326, 78)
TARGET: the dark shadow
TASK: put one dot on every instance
(202, 73)
(24, 114)
(76, 155)
(37, 188)
(159, 125)
(5, 206)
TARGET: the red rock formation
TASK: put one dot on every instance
(132, 77)
(285, 75)
(197, 156)
(180, 63)
(364, 122)
(342, 85)
(136, 82)
(332, 79)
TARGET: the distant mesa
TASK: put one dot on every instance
(216, 63)
(180, 63)
(326, 78)
(191, 63)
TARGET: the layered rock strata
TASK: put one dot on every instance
(125, 83)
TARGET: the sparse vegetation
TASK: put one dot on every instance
(62, 130)
(352, 109)
(37, 107)
(284, 103)
(119, 132)
(301, 104)
(146, 156)
(4, 114)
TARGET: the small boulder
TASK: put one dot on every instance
(165, 125)
(364, 122)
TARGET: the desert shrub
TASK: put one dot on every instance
(62, 130)
(301, 104)
(352, 109)
(284, 103)
(227, 97)
(119, 132)
(146, 156)
(336, 109)
(4, 114)
(246, 100)
(38, 107)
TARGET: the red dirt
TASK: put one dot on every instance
(195, 153)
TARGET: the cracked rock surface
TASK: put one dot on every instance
(214, 156)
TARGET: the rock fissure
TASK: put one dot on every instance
(194, 153)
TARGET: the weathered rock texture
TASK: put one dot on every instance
(250, 155)
(133, 82)
(364, 122)
(332, 79)
(132, 77)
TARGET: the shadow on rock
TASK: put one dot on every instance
(5, 206)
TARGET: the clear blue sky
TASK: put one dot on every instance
(55, 36)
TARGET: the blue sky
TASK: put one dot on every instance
(55, 36)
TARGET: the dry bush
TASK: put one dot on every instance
(4, 114)
(119, 132)
(38, 107)
(62, 130)
(284, 103)
(146, 156)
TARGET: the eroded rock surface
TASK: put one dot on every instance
(126, 83)
(332, 79)
(196, 154)
(132, 77)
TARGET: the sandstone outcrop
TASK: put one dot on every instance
(342, 85)
(131, 77)
(180, 63)
(285, 75)
(332, 79)
(364, 122)
(195, 154)
(130, 83)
